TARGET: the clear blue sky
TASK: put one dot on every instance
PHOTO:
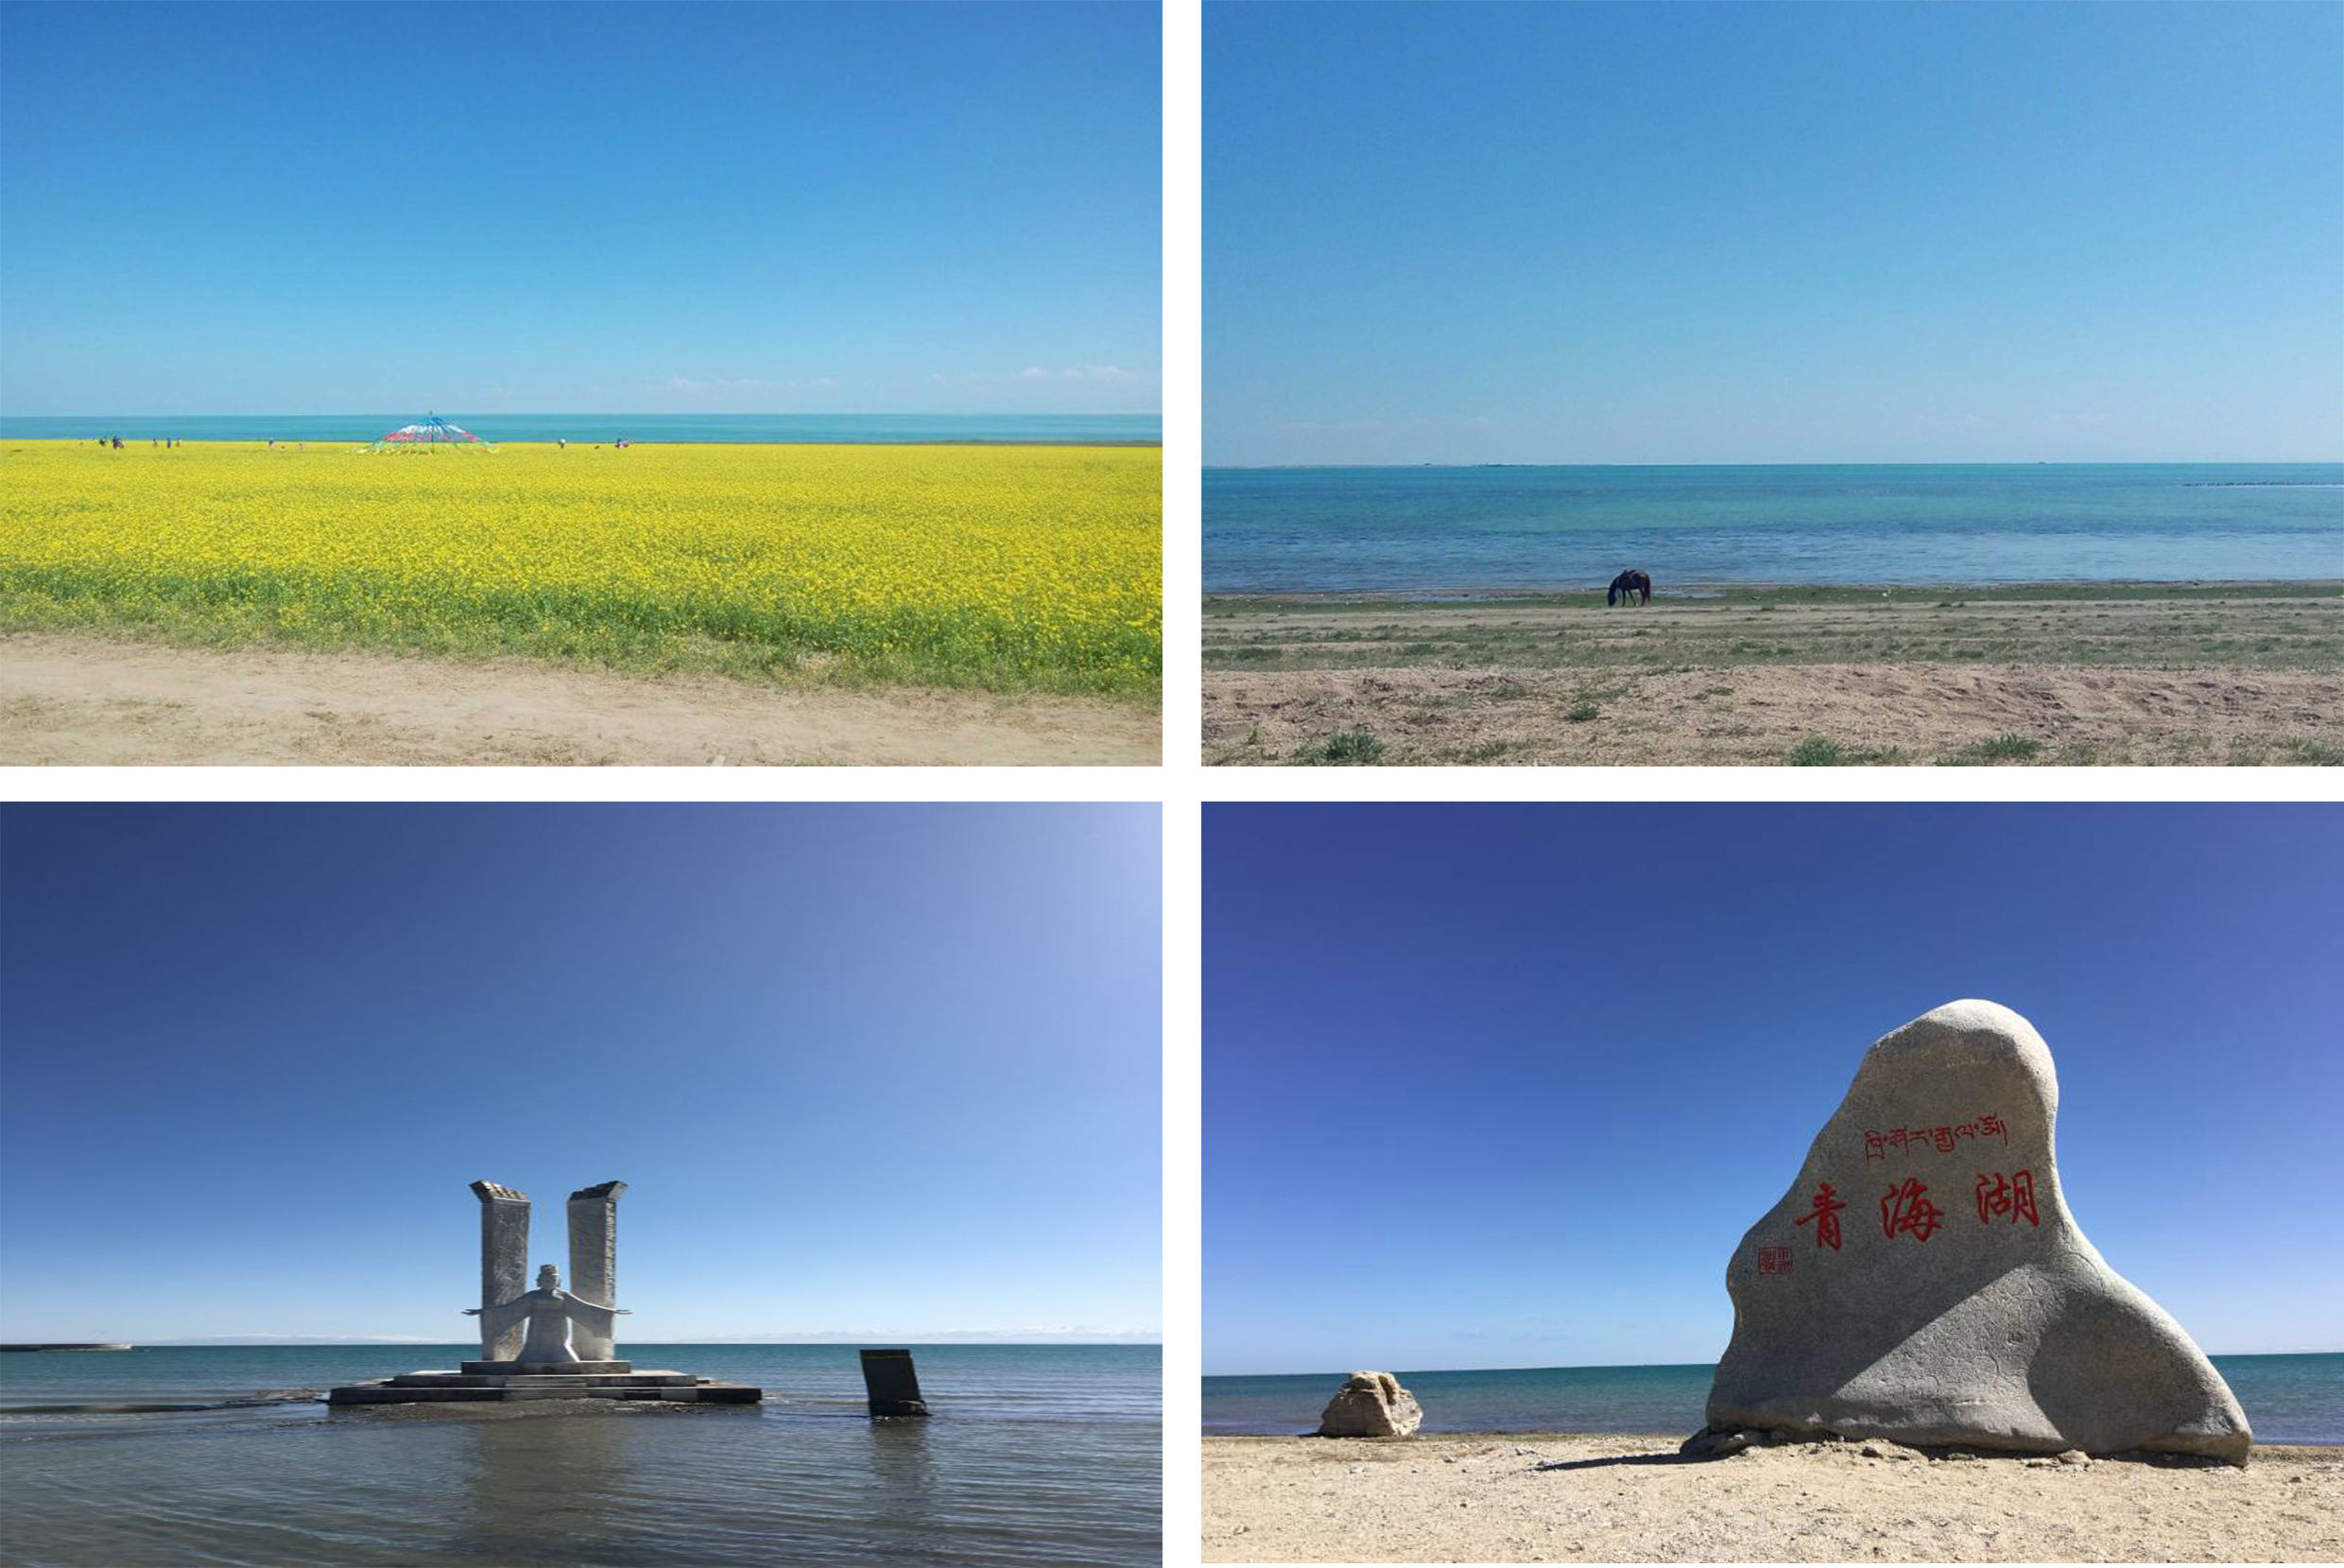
(891, 1069)
(1503, 1086)
(1780, 232)
(545, 208)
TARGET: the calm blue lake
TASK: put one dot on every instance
(2288, 1399)
(1079, 429)
(1036, 1454)
(1515, 528)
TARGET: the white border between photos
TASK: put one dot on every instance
(1181, 777)
(1185, 789)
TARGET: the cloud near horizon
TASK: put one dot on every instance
(733, 383)
(1092, 372)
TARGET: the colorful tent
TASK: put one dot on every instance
(430, 436)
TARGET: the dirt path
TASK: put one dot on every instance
(78, 701)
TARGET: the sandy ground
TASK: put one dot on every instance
(1617, 1499)
(70, 701)
(2062, 679)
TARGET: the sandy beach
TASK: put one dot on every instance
(1601, 1498)
(69, 700)
(2235, 673)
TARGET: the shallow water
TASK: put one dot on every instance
(2288, 1399)
(1036, 1454)
(1403, 529)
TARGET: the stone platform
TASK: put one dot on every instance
(547, 1380)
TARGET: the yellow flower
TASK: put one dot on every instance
(987, 565)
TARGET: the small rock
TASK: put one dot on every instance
(1709, 1443)
(2075, 1456)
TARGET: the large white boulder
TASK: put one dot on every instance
(1371, 1405)
(1923, 1278)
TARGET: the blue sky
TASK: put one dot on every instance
(600, 208)
(1780, 232)
(1503, 1086)
(888, 1069)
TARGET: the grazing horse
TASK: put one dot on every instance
(1628, 585)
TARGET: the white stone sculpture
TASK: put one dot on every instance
(547, 1343)
(511, 1332)
(545, 1315)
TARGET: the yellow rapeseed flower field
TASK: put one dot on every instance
(1010, 567)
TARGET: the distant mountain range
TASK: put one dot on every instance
(822, 1336)
(307, 1339)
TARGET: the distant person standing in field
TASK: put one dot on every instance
(562, 444)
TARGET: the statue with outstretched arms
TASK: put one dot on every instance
(547, 1314)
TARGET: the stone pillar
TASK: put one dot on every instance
(504, 1261)
(593, 1260)
(891, 1386)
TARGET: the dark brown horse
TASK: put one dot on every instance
(1629, 585)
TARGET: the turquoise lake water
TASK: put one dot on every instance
(2288, 1399)
(647, 429)
(1036, 1455)
(1438, 530)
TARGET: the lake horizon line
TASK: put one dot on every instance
(602, 429)
(303, 1342)
(645, 414)
(2011, 462)
(1647, 1366)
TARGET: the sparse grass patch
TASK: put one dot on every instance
(1349, 748)
(1818, 752)
(2000, 749)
